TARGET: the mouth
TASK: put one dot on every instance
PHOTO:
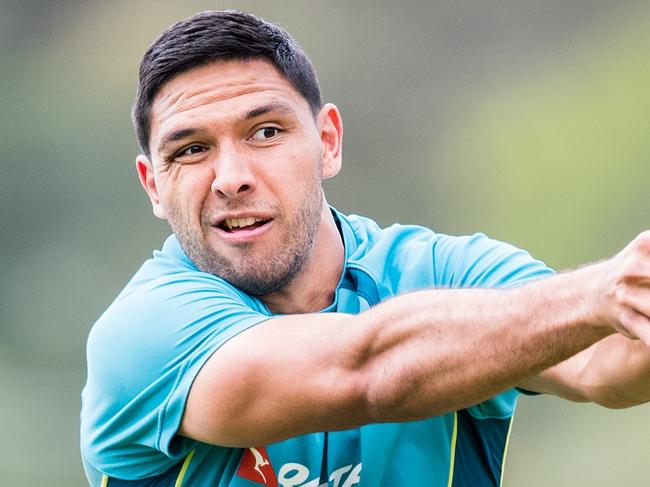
(234, 225)
(243, 229)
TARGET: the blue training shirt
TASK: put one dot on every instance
(147, 348)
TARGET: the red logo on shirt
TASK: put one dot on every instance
(256, 467)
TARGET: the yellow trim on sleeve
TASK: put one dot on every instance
(186, 464)
(452, 450)
(505, 450)
(104, 481)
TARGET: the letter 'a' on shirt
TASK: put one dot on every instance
(149, 345)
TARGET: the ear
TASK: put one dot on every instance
(330, 127)
(148, 181)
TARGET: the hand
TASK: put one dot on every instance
(626, 293)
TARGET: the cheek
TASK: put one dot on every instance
(290, 176)
(303, 162)
(186, 191)
(299, 182)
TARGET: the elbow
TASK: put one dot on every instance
(376, 395)
(612, 397)
(392, 385)
(396, 395)
(599, 388)
(615, 401)
(614, 404)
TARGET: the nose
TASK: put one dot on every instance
(233, 175)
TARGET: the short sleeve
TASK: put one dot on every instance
(478, 261)
(143, 355)
(406, 258)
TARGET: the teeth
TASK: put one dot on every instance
(241, 222)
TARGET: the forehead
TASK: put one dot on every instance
(220, 89)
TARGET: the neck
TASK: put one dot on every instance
(314, 288)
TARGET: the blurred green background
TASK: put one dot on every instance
(527, 120)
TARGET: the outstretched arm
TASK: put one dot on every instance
(414, 356)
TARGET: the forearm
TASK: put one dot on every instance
(436, 351)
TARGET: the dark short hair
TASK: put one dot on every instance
(212, 36)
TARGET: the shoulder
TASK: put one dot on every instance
(167, 309)
(479, 261)
(418, 256)
(169, 296)
(143, 354)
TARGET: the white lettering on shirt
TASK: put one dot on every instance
(296, 475)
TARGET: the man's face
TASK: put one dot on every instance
(236, 166)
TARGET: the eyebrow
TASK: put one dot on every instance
(176, 135)
(270, 108)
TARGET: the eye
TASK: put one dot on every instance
(265, 133)
(191, 150)
(188, 155)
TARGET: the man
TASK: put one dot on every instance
(274, 341)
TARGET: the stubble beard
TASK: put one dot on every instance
(259, 275)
